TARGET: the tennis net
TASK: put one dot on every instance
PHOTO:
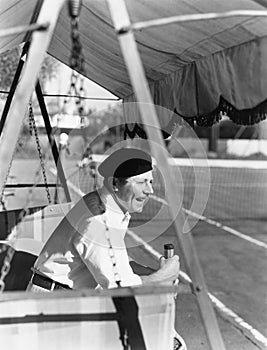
(218, 189)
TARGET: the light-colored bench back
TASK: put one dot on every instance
(36, 228)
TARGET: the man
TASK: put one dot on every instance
(87, 249)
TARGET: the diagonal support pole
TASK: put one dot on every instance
(39, 45)
(52, 141)
(136, 72)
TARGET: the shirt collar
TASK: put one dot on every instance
(112, 207)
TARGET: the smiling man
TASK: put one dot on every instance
(87, 249)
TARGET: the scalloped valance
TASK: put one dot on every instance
(232, 83)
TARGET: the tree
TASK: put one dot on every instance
(8, 65)
(49, 70)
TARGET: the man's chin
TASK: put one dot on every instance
(138, 209)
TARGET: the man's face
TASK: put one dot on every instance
(134, 194)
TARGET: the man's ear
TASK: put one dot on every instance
(112, 183)
(115, 185)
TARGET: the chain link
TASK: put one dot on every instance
(123, 332)
(30, 119)
(77, 58)
(9, 255)
(112, 255)
(39, 149)
(77, 64)
(13, 236)
(3, 248)
(6, 267)
(2, 201)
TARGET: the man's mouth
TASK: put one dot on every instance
(141, 199)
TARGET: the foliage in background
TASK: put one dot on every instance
(8, 65)
(49, 70)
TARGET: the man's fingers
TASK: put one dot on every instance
(162, 261)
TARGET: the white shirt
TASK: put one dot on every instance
(79, 254)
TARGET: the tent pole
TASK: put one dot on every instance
(19, 67)
(39, 45)
(136, 72)
(52, 140)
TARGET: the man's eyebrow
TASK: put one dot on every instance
(143, 179)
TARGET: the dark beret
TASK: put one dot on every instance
(126, 162)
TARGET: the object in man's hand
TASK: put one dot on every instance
(168, 250)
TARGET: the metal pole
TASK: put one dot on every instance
(136, 72)
(39, 45)
(52, 141)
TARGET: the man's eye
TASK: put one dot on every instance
(144, 182)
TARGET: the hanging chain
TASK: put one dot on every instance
(75, 81)
(2, 196)
(14, 233)
(80, 102)
(10, 250)
(6, 267)
(39, 149)
(77, 58)
(123, 330)
(112, 255)
(30, 116)
(3, 204)
(76, 61)
(11, 239)
(2, 200)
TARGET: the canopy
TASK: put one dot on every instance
(196, 69)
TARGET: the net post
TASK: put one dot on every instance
(136, 73)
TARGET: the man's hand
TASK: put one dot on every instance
(170, 268)
(167, 273)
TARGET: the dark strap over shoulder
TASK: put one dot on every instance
(130, 329)
(94, 203)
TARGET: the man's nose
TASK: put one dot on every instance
(149, 188)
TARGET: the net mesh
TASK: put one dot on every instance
(219, 190)
(234, 192)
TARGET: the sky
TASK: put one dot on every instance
(61, 85)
